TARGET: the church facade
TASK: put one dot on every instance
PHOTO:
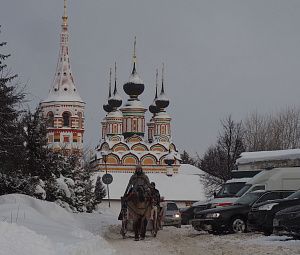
(64, 108)
(125, 142)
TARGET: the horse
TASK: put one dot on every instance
(139, 210)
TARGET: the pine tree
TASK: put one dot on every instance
(186, 158)
(100, 191)
(11, 178)
(84, 189)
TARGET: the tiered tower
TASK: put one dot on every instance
(162, 120)
(64, 108)
(134, 111)
(123, 144)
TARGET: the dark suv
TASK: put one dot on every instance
(287, 222)
(260, 217)
(232, 218)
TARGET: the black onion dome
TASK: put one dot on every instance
(115, 101)
(135, 86)
(162, 101)
(153, 108)
(107, 108)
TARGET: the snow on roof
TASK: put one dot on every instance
(233, 180)
(249, 157)
(184, 186)
(134, 78)
(63, 97)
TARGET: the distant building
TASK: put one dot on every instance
(259, 160)
(125, 142)
(64, 108)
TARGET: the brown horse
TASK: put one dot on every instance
(139, 210)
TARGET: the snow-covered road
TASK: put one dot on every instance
(187, 241)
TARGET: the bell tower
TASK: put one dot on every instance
(64, 108)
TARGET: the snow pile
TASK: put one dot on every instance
(15, 239)
(249, 157)
(32, 226)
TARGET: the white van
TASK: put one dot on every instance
(287, 178)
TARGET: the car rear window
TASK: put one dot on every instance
(172, 207)
(230, 189)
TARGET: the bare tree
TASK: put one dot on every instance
(277, 131)
(219, 160)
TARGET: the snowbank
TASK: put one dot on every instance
(32, 226)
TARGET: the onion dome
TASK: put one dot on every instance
(107, 107)
(115, 101)
(169, 159)
(153, 108)
(135, 86)
(162, 101)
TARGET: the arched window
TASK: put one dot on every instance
(50, 119)
(66, 119)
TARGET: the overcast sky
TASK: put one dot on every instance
(221, 57)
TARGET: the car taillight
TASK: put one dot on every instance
(222, 204)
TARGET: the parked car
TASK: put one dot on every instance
(225, 196)
(187, 214)
(261, 215)
(232, 218)
(171, 214)
(287, 222)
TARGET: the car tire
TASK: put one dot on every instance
(178, 226)
(198, 228)
(238, 225)
(267, 232)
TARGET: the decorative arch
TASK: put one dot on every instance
(66, 119)
(50, 119)
(139, 147)
(130, 159)
(158, 147)
(161, 160)
(134, 139)
(113, 159)
(172, 147)
(104, 147)
(148, 160)
(120, 147)
(115, 138)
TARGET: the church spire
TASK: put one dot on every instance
(134, 56)
(156, 84)
(135, 86)
(63, 87)
(109, 90)
(162, 101)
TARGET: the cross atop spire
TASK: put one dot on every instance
(134, 56)
(65, 17)
(162, 79)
